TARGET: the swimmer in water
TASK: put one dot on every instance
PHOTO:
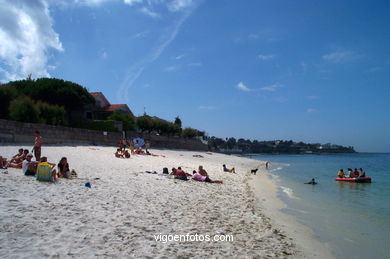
(312, 182)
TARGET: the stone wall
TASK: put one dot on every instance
(19, 132)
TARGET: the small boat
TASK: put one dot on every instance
(355, 180)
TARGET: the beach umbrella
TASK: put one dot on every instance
(138, 142)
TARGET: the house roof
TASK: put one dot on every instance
(100, 95)
(115, 107)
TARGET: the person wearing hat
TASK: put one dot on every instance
(28, 166)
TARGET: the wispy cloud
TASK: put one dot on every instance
(140, 35)
(312, 110)
(135, 71)
(171, 68)
(243, 87)
(180, 57)
(207, 108)
(271, 88)
(178, 5)
(149, 12)
(26, 38)
(342, 56)
(265, 57)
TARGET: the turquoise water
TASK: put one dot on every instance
(353, 218)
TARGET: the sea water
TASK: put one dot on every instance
(352, 218)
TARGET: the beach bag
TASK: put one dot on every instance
(165, 170)
(44, 172)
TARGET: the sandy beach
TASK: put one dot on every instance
(126, 209)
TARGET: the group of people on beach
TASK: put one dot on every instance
(41, 168)
(352, 173)
(201, 175)
(121, 152)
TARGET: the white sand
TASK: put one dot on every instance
(125, 208)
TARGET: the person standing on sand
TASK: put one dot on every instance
(37, 145)
(267, 164)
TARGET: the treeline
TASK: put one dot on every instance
(44, 100)
(55, 102)
(231, 145)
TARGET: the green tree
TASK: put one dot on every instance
(178, 121)
(51, 114)
(24, 109)
(189, 133)
(7, 94)
(145, 123)
(127, 119)
(70, 95)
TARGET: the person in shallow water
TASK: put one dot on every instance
(312, 182)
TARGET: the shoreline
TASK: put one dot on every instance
(266, 194)
(126, 207)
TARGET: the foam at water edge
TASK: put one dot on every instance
(289, 192)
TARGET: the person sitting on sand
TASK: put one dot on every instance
(119, 153)
(29, 167)
(45, 171)
(3, 162)
(197, 176)
(225, 169)
(355, 173)
(341, 173)
(202, 171)
(127, 154)
(63, 168)
(362, 173)
(311, 182)
(17, 163)
(17, 156)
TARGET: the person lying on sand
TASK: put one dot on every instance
(225, 169)
(29, 167)
(180, 174)
(139, 151)
(201, 178)
(205, 176)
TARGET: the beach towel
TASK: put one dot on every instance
(44, 172)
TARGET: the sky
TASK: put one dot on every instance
(312, 71)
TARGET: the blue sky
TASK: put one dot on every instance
(312, 71)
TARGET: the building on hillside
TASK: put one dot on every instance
(103, 108)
